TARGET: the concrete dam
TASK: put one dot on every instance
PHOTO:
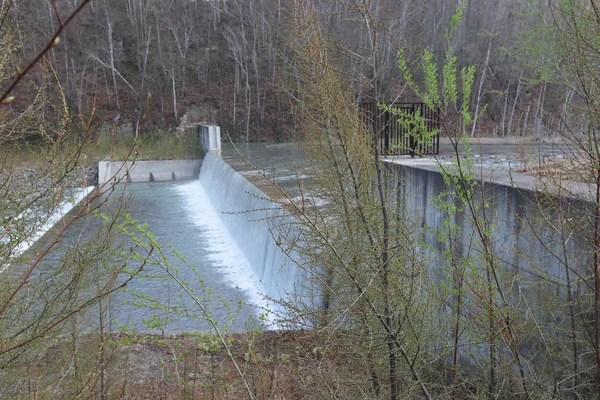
(233, 234)
(226, 233)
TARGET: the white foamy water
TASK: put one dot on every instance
(75, 196)
(223, 251)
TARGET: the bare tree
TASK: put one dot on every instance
(45, 291)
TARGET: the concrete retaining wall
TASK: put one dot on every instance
(148, 171)
(210, 136)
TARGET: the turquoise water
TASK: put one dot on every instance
(182, 220)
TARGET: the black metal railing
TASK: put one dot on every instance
(395, 132)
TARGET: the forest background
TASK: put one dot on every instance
(154, 65)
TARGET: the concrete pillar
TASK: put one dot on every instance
(104, 172)
(210, 136)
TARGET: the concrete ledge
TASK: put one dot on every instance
(505, 177)
(147, 171)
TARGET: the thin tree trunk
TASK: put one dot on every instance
(492, 335)
(540, 111)
(504, 110)
(568, 96)
(248, 108)
(481, 81)
(140, 100)
(235, 92)
(524, 131)
(385, 258)
(596, 266)
(174, 93)
(111, 53)
(512, 112)
(572, 318)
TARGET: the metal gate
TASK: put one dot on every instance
(397, 137)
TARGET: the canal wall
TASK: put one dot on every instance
(530, 235)
(539, 243)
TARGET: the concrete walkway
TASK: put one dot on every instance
(505, 176)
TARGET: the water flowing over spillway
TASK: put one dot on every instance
(222, 224)
(219, 234)
(182, 219)
(250, 218)
(61, 209)
(222, 251)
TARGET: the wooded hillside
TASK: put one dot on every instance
(145, 64)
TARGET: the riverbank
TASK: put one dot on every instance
(33, 181)
(275, 364)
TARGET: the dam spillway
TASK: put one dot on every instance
(213, 232)
(226, 230)
(253, 221)
(198, 247)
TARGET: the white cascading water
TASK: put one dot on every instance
(224, 254)
(248, 215)
(59, 212)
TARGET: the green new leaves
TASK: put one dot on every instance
(467, 75)
(456, 18)
(449, 79)
(446, 92)
(450, 94)
(431, 96)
